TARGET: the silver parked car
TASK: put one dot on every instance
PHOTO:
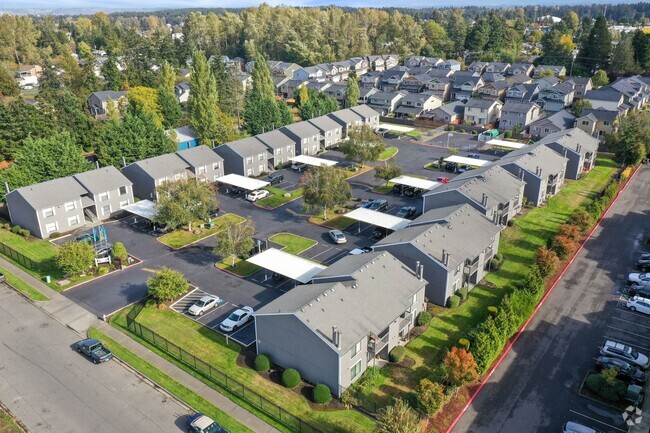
(337, 236)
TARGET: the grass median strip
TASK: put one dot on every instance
(23, 287)
(333, 220)
(387, 153)
(8, 423)
(182, 238)
(386, 188)
(277, 197)
(175, 388)
(293, 244)
(240, 267)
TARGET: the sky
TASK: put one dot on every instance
(112, 5)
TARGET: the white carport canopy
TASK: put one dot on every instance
(312, 160)
(143, 208)
(466, 161)
(288, 265)
(242, 182)
(416, 182)
(506, 144)
(379, 219)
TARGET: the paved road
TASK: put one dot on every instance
(52, 388)
(535, 388)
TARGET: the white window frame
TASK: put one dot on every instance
(49, 212)
(356, 349)
(126, 190)
(73, 220)
(124, 203)
(216, 166)
(110, 209)
(104, 196)
(49, 229)
(357, 365)
(249, 160)
(71, 205)
(201, 170)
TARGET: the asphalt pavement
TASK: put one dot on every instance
(535, 389)
(52, 388)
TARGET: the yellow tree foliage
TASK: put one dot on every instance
(146, 100)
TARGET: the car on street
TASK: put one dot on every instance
(337, 236)
(574, 427)
(199, 423)
(94, 349)
(626, 353)
(639, 279)
(407, 212)
(443, 179)
(203, 305)
(299, 166)
(357, 251)
(626, 371)
(638, 303)
(378, 205)
(258, 194)
(237, 318)
(274, 178)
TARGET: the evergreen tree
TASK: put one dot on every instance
(318, 104)
(623, 55)
(285, 117)
(262, 81)
(167, 77)
(478, 36)
(352, 93)
(261, 112)
(302, 96)
(641, 48)
(8, 86)
(600, 79)
(112, 75)
(596, 52)
(169, 108)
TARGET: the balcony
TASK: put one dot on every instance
(377, 344)
(471, 267)
(408, 320)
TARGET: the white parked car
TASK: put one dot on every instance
(626, 353)
(237, 319)
(639, 279)
(203, 305)
(258, 194)
(637, 303)
(299, 166)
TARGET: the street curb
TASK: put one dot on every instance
(104, 275)
(392, 156)
(507, 349)
(157, 239)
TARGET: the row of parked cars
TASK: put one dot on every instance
(638, 286)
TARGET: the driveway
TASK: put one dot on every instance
(535, 389)
(50, 387)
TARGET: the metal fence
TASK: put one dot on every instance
(220, 378)
(40, 266)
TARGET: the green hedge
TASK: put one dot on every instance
(290, 378)
(423, 318)
(262, 363)
(397, 354)
(454, 301)
(321, 394)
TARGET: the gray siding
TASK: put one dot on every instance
(22, 214)
(114, 200)
(575, 161)
(535, 189)
(144, 186)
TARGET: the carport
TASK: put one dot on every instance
(288, 265)
(504, 144)
(378, 219)
(474, 162)
(146, 210)
(312, 160)
(416, 182)
(242, 182)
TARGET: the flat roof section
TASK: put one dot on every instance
(288, 265)
(416, 182)
(379, 219)
(243, 182)
(312, 160)
(504, 143)
(474, 162)
(143, 208)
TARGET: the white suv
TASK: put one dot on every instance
(258, 194)
(637, 303)
(626, 353)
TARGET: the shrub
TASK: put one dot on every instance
(119, 252)
(463, 343)
(15, 229)
(55, 235)
(290, 378)
(507, 134)
(7, 226)
(511, 223)
(474, 133)
(262, 363)
(582, 219)
(547, 261)
(451, 128)
(494, 264)
(492, 310)
(600, 384)
(321, 394)
(462, 292)
(75, 257)
(499, 257)
(570, 231)
(459, 367)
(430, 396)
(533, 282)
(454, 301)
(166, 285)
(397, 354)
(424, 317)
(563, 246)
(103, 270)
(24, 232)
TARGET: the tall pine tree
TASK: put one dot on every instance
(596, 52)
(261, 112)
(352, 93)
(167, 77)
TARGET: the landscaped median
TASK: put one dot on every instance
(387, 153)
(9, 424)
(293, 244)
(277, 197)
(238, 267)
(183, 237)
(333, 221)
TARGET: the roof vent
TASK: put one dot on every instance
(317, 299)
(310, 304)
(449, 227)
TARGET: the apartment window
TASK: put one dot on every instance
(260, 157)
(356, 349)
(546, 130)
(455, 286)
(289, 150)
(106, 210)
(201, 170)
(606, 123)
(328, 134)
(305, 141)
(355, 370)
(124, 203)
(278, 151)
(249, 172)
(49, 212)
(103, 196)
(70, 206)
(457, 270)
(249, 160)
(216, 166)
(73, 220)
(414, 299)
(315, 149)
(51, 227)
(315, 138)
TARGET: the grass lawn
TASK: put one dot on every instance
(23, 287)
(211, 348)
(333, 220)
(241, 267)
(277, 197)
(387, 153)
(35, 249)
(349, 173)
(293, 244)
(518, 244)
(182, 237)
(178, 390)
(8, 423)
(386, 188)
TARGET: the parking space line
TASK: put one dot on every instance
(335, 257)
(628, 332)
(172, 305)
(633, 313)
(633, 323)
(626, 342)
(598, 421)
(322, 252)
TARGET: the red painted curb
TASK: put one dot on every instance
(525, 325)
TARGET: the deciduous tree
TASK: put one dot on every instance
(387, 171)
(8, 86)
(600, 79)
(183, 202)
(579, 106)
(398, 418)
(235, 240)
(460, 367)
(75, 257)
(324, 188)
(167, 284)
(363, 145)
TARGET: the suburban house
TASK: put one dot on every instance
(606, 99)
(452, 245)
(598, 122)
(347, 118)
(386, 103)
(494, 90)
(490, 190)
(331, 133)
(492, 77)
(285, 69)
(390, 60)
(449, 65)
(635, 90)
(577, 146)
(553, 123)
(414, 104)
(245, 80)
(482, 111)
(27, 75)
(414, 83)
(477, 66)
(365, 93)
(501, 68)
(319, 329)
(376, 63)
(289, 88)
(280, 147)
(98, 102)
(184, 137)
(513, 80)
(69, 203)
(541, 168)
(557, 98)
(392, 78)
(518, 115)
(305, 136)
(371, 79)
(182, 92)
(558, 71)
(526, 69)
(337, 91)
(451, 112)
(203, 163)
(465, 87)
(245, 157)
(321, 86)
(359, 65)
(278, 82)
(581, 85)
(547, 82)
(309, 73)
(440, 87)
(522, 93)
(369, 116)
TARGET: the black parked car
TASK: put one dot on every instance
(626, 371)
(398, 188)
(451, 167)
(411, 191)
(381, 233)
(274, 178)
(643, 262)
(377, 205)
(407, 212)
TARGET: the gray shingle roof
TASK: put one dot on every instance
(199, 155)
(51, 193)
(346, 116)
(601, 114)
(364, 111)
(571, 139)
(517, 107)
(301, 129)
(246, 147)
(102, 179)
(604, 95)
(535, 156)
(162, 166)
(105, 95)
(324, 123)
(481, 103)
(275, 139)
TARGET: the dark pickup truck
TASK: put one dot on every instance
(95, 350)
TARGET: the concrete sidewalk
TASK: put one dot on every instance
(80, 320)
